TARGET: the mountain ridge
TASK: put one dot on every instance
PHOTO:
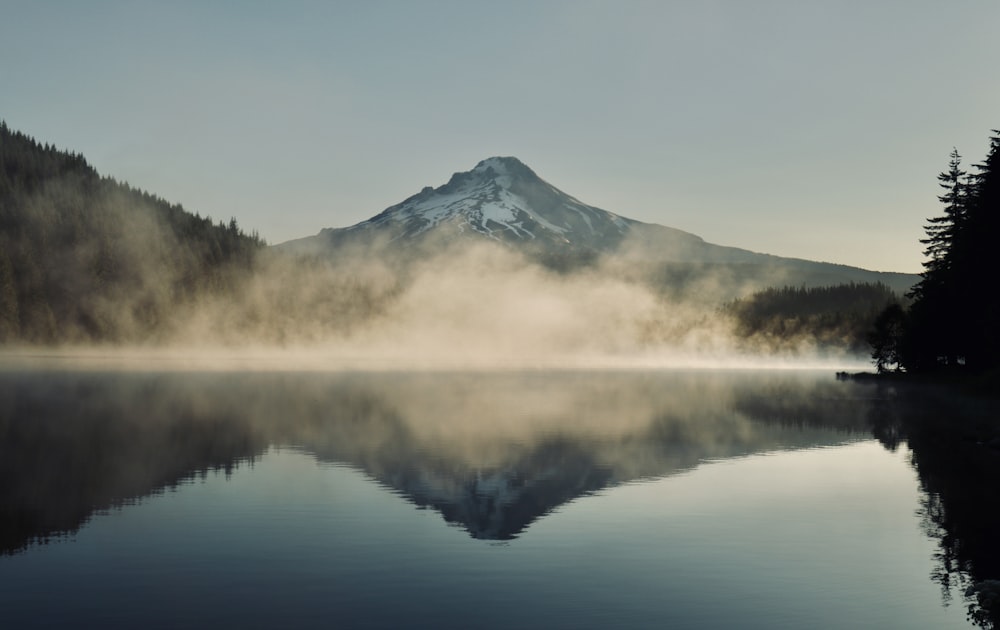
(504, 201)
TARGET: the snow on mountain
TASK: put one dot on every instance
(502, 200)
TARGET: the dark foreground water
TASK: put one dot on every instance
(517, 499)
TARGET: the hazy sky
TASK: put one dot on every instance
(812, 129)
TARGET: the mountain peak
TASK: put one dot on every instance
(495, 171)
(503, 200)
(501, 165)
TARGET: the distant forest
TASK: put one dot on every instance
(85, 258)
(952, 324)
(840, 316)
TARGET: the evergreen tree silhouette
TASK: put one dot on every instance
(952, 322)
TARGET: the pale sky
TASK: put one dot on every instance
(812, 129)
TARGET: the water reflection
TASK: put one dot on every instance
(73, 444)
(490, 452)
(954, 445)
(955, 449)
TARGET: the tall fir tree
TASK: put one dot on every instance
(941, 230)
(976, 262)
(952, 322)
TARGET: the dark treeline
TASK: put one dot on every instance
(839, 315)
(86, 258)
(952, 323)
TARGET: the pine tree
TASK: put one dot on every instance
(931, 338)
(886, 338)
(976, 264)
(941, 230)
(954, 314)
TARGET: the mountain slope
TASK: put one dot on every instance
(503, 201)
(86, 258)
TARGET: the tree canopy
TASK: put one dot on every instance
(952, 323)
(88, 258)
(833, 316)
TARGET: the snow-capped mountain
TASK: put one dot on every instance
(502, 200)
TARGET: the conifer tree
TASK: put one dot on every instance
(976, 263)
(886, 338)
(952, 322)
(941, 230)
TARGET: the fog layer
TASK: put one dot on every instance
(482, 304)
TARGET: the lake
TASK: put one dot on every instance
(528, 499)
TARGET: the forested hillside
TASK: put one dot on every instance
(86, 258)
(835, 316)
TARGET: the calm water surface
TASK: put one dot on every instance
(516, 499)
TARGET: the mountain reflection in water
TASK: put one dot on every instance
(491, 452)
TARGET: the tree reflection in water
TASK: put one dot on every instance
(955, 449)
(490, 453)
(954, 444)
